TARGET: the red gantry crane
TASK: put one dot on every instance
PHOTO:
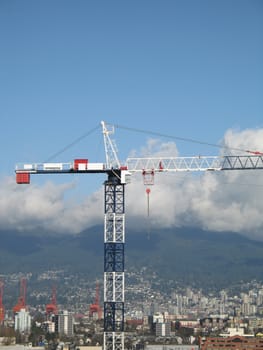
(52, 308)
(114, 219)
(2, 308)
(95, 308)
(21, 303)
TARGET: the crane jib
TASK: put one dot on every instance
(197, 163)
(133, 165)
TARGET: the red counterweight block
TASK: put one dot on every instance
(80, 164)
(22, 178)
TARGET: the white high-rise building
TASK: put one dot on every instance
(163, 329)
(22, 321)
(65, 323)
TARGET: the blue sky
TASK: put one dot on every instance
(186, 68)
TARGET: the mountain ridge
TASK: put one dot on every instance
(190, 255)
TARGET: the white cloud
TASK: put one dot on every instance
(249, 139)
(222, 201)
(29, 207)
(156, 148)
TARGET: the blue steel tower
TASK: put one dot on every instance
(114, 241)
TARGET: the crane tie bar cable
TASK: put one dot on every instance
(73, 143)
(186, 139)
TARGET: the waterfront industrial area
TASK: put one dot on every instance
(145, 294)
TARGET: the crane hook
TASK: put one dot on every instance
(148, 211)
(148, 201)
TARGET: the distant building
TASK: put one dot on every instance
(248, 310)
(214, 322)
(64, 323)
(172, 347)
(236, 342)
(22, 321)
(49, 326)
(154, 308)
(158, 317)
(255, 323)
(7, 342)
(163, 329)
(231, 331)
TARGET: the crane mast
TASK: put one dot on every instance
(114, 240)
(114, 211)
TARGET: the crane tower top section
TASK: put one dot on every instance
(111, 166)
(112, 161)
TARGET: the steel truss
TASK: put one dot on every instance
(114, 239)
(197, 163)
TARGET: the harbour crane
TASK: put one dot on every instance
(21, 303)
(95, 308)
(118, 176)
(52, 307)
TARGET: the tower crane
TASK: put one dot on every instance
(114, 210)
